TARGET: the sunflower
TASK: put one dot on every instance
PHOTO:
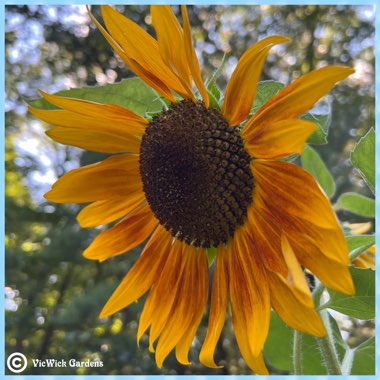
(196, 177)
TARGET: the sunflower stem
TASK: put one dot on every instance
(297, 353)
(348, 361)
(327, 343)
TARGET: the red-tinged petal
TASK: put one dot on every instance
(124, 236)
(140, 71)
(186, 313)
(249, 293)
(279, 139)
(140, 47)
(162, 296)
(291, 191)
(143, 274)
(218, 309)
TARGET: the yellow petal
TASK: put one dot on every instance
(296, 277)
(109, 210)
(192, 57)
(291, 191)
(171, 45)
(68, 119)
(311, 255)
(241, 88)
(114, 177)
(124, 236)
(95, 141)
(86, 107)
(145, 75)
(142, 275)
(298, 97)
(140, 47)
(366, 259)
(249, 293)
(293, 312)
(218, 309)
(279, 139)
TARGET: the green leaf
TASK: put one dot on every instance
(312, 162)
(211, 254)
(362, 304)
(357, 204)
(132, 94)
(319, 137)
(358, 244)
(279, 345)
(265, 90)
(363, 158)
(364, 359)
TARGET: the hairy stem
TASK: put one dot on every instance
(327, 343)
(297, 352)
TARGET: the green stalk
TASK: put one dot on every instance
(327, 343)
(297, 352)
(348, 361)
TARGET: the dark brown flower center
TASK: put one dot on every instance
(196, 174)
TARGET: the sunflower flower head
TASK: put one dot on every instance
(196, 177)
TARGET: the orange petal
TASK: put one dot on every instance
(249, 294)
(95, 141)
(296, 277)
(192, 57)
(109, 210)
(333, 274)
(114, 177)
(68, 119)
(171, 45)
(218, 309)
(241, 88)
(143, 274)
(279, 139)
(265, 238)
(162, 296)
(242, 327)
(144, 74)
(191, 297)
(298, 97)
(291, 191)
(140, 47)
(293, 312)
(124, 236)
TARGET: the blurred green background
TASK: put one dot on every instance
(53, 295)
